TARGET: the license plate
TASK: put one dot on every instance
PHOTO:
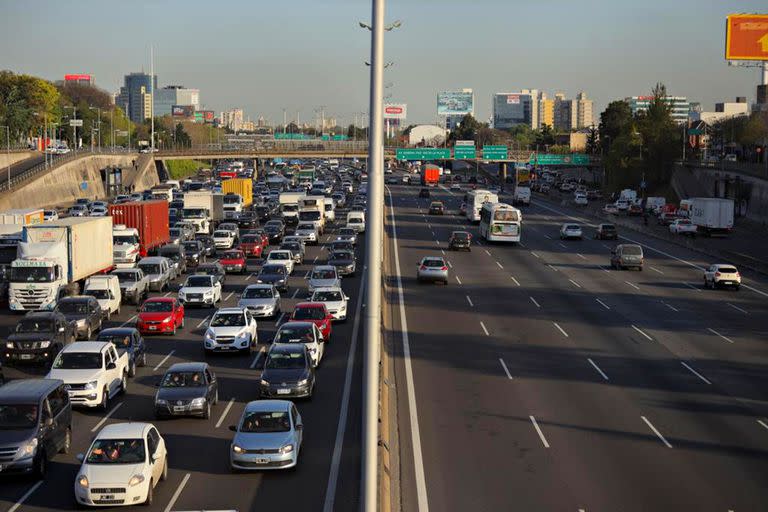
(107, 497)
(262, 461)
(724, 282)
(283, 391)
(26, 356)
(152, 328)
(229, 267)
(178, 408)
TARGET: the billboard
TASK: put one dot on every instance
(208, 116)
(455, 103)
(182, 110)
(395, 111)
(78, 78)
(513, 99)
(746, 37)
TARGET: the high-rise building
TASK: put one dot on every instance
(546, 111)
(679, 106)
(133, 96)
(722, 111)
(171, 95)
(566, 113)
(232, 119)
(584, 116)
(516, 108)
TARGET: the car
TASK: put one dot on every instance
(322, 276)
(83, 312)
(234, 260)
(570, 231)
(347, 234)
(622, 205)
(123, 464)
(268, 435)
(335, 301)
(99, 211)
(176, 236)
(307, 232)
(78, 210)
(315, 312)
(160, 315)
(627, 256)
(130, 341)
(214, 269)
(666, 218)
(134, 285)
(455, 187)
(247, 220)
(263, 213)
(683, 227)
(231, 329)
(720, 275)
(200, 290)
(436, 208)
(606, 232)
(50, 215)
(296, 248)
(305, 333)
(580, 199)
(424, 193)
(231, 227)
(209, 246)
(287, 372)
(634, 210)
(275, 229)
(194, 252)
(223, 239)
(37, 338)
(432, 268)
(188, 229)
(281, 257)
(340, 245)
(177, 257)
(262, 300)
(187, 389)
(159, 272)
(460, 240)
(344, 261)
(274, 274)
(252, 245)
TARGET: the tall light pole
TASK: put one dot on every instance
(98, 112)
(8, 149)
(74, 127)
(152, 96)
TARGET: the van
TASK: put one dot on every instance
(178, 256)
(627, 256)
(107, 291)
(41, 415)
(329, 210)
(356, 221)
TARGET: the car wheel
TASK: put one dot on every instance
(124, 383)
(67, 446)
(207, 411)
(150, 495)
(164, 474)
(104, 400)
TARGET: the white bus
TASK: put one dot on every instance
(500, 222)
(475, 200)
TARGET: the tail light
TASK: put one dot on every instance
(443, 268)
(738, 275)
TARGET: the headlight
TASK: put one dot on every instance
(197, 402)
(45, 344)
(92, 384)
(264, 382)
(209, 293)
(166, 320)
(181, 294)
(237, 449)
(82, 480)
(287, 448)
(209, 336)
(135, 480)
(80, 322)
(28, 449)
(9, 344)
(303, 382)
(161, 401)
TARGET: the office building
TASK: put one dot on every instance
(565, 112)
(516, 108)
(546, 111)
(232, 119)
(584, 115)
(135, 96)
(723, 111)
(679, 106)
(171, 95)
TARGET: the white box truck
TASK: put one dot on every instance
(712, 216)
(289, 206)
(206, 199)
(312, 209)
(54, 258)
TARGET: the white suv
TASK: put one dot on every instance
(281, 257)
(721, 274)
(334, 299)
(231, 329)
(223, 239)
(200, 290)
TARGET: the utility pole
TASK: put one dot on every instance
(152, 96)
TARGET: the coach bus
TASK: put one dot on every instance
(500, 222)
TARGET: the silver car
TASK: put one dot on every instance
(347, 235)
(569, 231)
(307, 232)
(262, 300)
(158, 270)
(432, 268)
(267, 436)
(323, 276)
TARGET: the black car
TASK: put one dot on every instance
(187, 389)
(424, 192)
(274, 232)
(275, 275)
(341, 245)
(288, 372)
(214, 269)
(263, 213)
(83, 312)
(38, 337)
(247, 220)
(209, 247)
(460, 240)
(436, 208)
(606, 232)
(176, 203)
(127, 339)
(194, 252)
(344, 261)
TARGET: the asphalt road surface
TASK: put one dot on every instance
(199, 475)
(540, 379)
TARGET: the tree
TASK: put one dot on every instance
(660, 138)
(593, 141)
(523, 135)
(181, 137)
(545, 136)
(466, 130)
(615, 121)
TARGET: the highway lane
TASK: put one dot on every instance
(595, 383)
(199, 476)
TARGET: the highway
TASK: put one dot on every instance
(539, 379)
(199, 476)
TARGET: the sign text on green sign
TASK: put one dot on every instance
(553, 159)
(495, 152)
(423, 154)
(464, 152)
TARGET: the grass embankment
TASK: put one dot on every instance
(180, 169)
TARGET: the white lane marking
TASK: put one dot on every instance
(641, 332)
(552, 267)
(606, 246)
(167, 294)
(534, 301)
(604, 269)
(737, 308)
(457, 279)
(429, 225)
(594, 365)
(295, 293)
(560, 329)
(689, 285)
(162, 361)
(632, 285)
(202, 322)
(449, 263)
(442, 251)
(307, 274)
(256, 359)
(315, 260)
(580, 255)
(562, 245)
(726, 338)
(280, 318)
(177, 493)
(499, 264)
(521, 244)
(228, 296)
(106, 417)
(225, 411)
(538, 430)
(248, 277)
(418, 461)
(656, 270)
(433, 233)
(515, 280)
(670, 306)
(437, 242)
(603, 304)
(506, 370)
(658, 434)
(536, 255)
(695, 372)
(25, 496)
(763, 424)
(487, 252)
(577, 285)
(128, 321)
(484, 329)
(470, 301)
(547, 237)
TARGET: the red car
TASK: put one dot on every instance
(314, 312)
(160, 315)
(264, 236)
(252, 245)
(234, 261)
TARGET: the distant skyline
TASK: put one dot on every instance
(266, 56)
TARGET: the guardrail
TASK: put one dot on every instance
(754, 170)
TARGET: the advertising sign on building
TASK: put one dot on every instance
(208, 116)
(182, 110)
(77, 78)
(395, 111)
(513, 99)
(455, 103)
(746, 37)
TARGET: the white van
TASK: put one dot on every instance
(106, 289)
(356, 221)
(330, 210)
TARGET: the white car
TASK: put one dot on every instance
(78, 210)
(568, 231)
(231, 329)
(50, 215)
(122, 466)
(200, 290)
(721, 274)
(335, 300)
(580, 199)
(99, 204)
(303, 332)
(307, 233)
(262, 300)
(99, 211)
(323, 276)
(610, 208)
(683, 227)
(223, 239)
(622, 205)
(281, 257)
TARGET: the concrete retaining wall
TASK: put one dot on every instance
(720, 183)
(7, 159)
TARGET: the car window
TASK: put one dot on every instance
(727, 270)
(265, 422)
(117, 451)
(58, 400)
(175, 379)
(632, 250)
(433, 262)
(228, 320)
(308, 313)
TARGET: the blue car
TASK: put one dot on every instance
(127, 339)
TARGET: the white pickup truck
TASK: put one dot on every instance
(93, 372)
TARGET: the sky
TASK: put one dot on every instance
(304, 55)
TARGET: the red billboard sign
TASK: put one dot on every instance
(393, 110)
(77, 78)
(746, 37)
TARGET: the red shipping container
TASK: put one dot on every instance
(430, 176)
(149, 217)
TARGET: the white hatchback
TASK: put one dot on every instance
(568, 231)
(281, 257)
(334, 299)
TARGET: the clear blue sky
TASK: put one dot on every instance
(264, 55)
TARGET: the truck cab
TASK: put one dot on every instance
(199, 217)
(312, 209)
(106, 290)
(125, 246)
(233, 205)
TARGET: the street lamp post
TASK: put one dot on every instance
(8, 149)
(98, 110)
(74, 127)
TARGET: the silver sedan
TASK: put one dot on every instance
(432, 268)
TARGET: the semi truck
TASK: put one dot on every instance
(139, 228)
(233, 205)
(712, 216)
(430, 175)
(54, 258)
(241, 186)
(207, 200)
(289, 206)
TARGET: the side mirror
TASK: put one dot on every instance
(80, 457)
(233, 428)
(299, 426)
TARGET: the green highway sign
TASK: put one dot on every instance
(423, 154)
(340, 137)
(494, 152)
(464, 152)
(554, 159)
(291, 136)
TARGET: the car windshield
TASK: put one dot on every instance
(228, 320)
(18, 416)
(207, 270)
(342, 255)
(433, 263)
(273, 269)
(174, 232)
(31, 274)
(182, 380)
(265, 422)
(306, 227)
(632, 250)
(347, 232)
(251, 239)
(126, 277)
(198, 281)
(278, 256)
(117, 451)
(72, 307)
(257, 293)
(150, 269)
(77, 361)
(194, 213)
(172, 253)
(460, 235)
(125, 239)
(34, 325)
(290, 246)
(609, 227)
(232, 255)
(286, 361)
(99, 294)
(308, 313)
(324, 274)
(327, 296)
(309, 215)
(191, 246)
(118, 340)
(157, 306)
(505, 215)
(221, 234)
(572, 226)
(727, 270)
